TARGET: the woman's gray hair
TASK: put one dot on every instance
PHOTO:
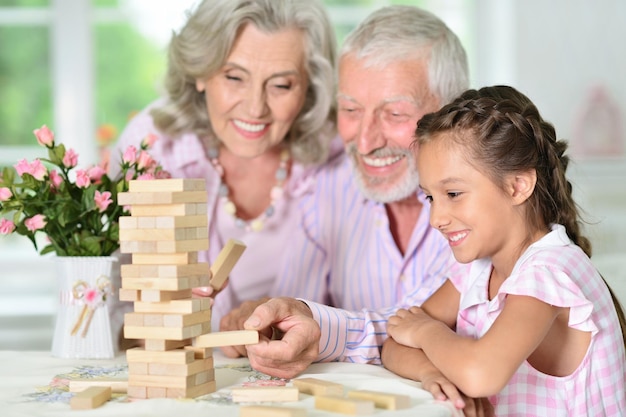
(202, 46)
(398, 33)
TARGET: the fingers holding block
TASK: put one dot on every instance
(230, 338)
(226, 260)
(91, 397)
(269, 411)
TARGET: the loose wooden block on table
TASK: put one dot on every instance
(343, 405)
(229, 338)
(226, 260)
(382, 399)
(160, 198)
(167, 184)
(314, 386)
(91, 397)
(117, 385)
(264, 394)
(271, 411)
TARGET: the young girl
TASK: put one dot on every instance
(527, 320)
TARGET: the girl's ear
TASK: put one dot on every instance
(523, 185)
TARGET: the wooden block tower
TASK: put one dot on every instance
(166, 229)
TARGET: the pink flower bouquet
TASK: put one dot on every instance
(75, 208)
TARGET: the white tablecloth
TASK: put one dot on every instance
(34, 384)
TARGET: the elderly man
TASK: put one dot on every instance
(365, 247)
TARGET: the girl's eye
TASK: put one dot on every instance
(429, 198)
(454, 194)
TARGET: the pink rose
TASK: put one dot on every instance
(130, 155)
(5, 193)
(44, 136)
(91, 297)
(146, 176)
(148, 141)
(55, 179)
(145, 160)
(38, 170)
(102, 200)
(82, 179)
(96, 173)
(6, 227)
(70, 159)
(22, 167)
(35, 223)
(162, 174)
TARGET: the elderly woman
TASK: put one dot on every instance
(249, 108)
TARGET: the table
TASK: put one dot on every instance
(33, 384)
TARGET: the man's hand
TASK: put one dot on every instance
(298, 345)
(234, 321)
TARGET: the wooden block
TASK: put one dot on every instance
(184, 306)
(179, 356)
(270, 411)
(177, 369)
(165, 259)
(161, 345)
(382, 399)
(343, 405)
(133, 319)
(226, 260)
(167, 333)
(264, 394)
(91, 397)
(164, 284)
(129, 295)
(167, 184)
(230, 338)
(152, 210)
(117, 385)
(163, 246)
(137, 392)
(184, 233)
(138, 368)
(169, 381)
(164, 271)
(199, 352)
(192, 392)
(169, 222)
(157, 392)
(181, 320)
(315, 386)
(128, 222)
(156, 296)
(133, 199)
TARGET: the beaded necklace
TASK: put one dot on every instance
(276, 192)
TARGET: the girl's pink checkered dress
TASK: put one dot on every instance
(558, 272)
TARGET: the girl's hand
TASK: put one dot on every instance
(407, 326)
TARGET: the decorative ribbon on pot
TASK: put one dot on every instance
(91, 298)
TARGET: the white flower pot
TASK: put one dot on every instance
(87, 292)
